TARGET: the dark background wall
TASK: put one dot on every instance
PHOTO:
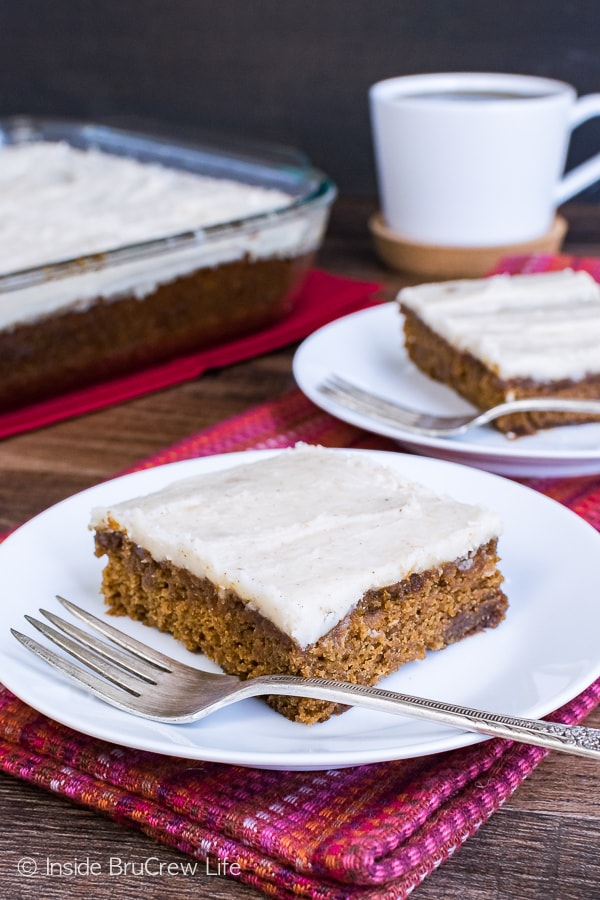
(290, 71)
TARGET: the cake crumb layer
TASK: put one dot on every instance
(387, 628)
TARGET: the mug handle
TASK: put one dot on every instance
(587, 173)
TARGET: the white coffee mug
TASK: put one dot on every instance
(475, 159)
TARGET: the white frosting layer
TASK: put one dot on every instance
(544, 326)
(301, 536)
(58, 203)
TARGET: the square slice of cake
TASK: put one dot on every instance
(507, 337)
(312, 562)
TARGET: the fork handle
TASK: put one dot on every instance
(571, 405)
(578, 740)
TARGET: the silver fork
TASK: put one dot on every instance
(147, 683)
(379, 409)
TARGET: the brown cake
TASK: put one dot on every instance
(311, 562)
(122, 264)
(509, 337)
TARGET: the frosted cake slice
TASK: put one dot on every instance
(311, 562)
(507, 337)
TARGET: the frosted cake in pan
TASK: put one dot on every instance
(109, 263)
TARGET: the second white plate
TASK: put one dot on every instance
(367, 347)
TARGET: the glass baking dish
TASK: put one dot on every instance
(65, 322)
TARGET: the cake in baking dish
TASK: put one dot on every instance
(507, 337)
(312, 562)
(107, 315)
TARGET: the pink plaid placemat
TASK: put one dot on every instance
(372, 831)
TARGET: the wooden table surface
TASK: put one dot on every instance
(543, 844)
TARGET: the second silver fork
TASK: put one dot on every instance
(356, 398)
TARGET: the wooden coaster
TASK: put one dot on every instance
(438, 262)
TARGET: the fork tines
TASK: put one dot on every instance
(353, 396)
(112, 664)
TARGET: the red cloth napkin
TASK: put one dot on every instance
(323, 298)
(372, 832)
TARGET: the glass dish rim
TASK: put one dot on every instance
(322, 193)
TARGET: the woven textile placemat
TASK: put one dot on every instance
(371, 831)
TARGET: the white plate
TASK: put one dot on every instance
(367, 347)
(544, 653)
